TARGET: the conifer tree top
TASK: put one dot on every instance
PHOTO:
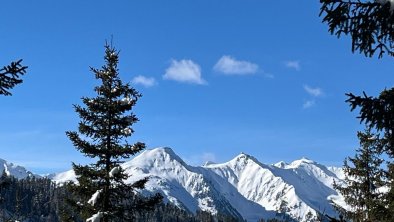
(105, 126)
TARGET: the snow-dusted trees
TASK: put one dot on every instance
(10, 77)
(105, 125)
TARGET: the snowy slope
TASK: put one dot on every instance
(63, 176)
(14, 170)
(242, 187)
(304, 185)
(338, 172)
(184, 185)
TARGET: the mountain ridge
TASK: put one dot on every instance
(242, 187)
(16, 171)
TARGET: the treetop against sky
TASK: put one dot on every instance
(217, 78)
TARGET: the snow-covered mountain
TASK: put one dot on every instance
(13, 170)
(242, 187)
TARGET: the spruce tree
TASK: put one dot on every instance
(10, 77)
(364, 180)
(370, 23)
(378, 113)
(105, 125)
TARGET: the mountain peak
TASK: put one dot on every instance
(243, 155)
(157, 157)
(281, 164)
(242, 186)
(16, 171)
(160, 151)
(165, 149)
(245, 159)
(302, 161)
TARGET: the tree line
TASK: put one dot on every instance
(40, 200)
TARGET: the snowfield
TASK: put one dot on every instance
(242, 187)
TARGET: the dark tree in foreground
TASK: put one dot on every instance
(368, 22)
(364, 181)
(105, 125)
(10, 77)
(371, 27)
(378, 113)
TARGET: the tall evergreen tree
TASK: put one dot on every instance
(10, 76)
(105, 125)
(364, 180)
(370, 23)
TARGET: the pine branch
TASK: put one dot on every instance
(10, 76)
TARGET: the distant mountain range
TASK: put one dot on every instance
(242, 187)
(13, 170)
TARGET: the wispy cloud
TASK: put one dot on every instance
(144, 81)
(184, 71)
(294, 64)
(308, 104)
(231, 66)
(315, 92)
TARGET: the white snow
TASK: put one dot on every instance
(114, 90)
(114, 171)
(242, 187)
(126, 101)
(93, 200)
(126, 131)
(96, 217)
(16, 171)
(338, 171)
(63, 177)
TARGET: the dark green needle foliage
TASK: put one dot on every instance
(378, 113)
(105, 125)
(368, 22)
(10, 77)
(364, 181)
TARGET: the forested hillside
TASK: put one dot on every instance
(41, 200)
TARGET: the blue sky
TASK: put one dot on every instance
(217, 77)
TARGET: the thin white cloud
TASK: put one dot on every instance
(144, 81)
(295, 64)
(315, 92)
(230, 66)
(184, 71)
(308, 104)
